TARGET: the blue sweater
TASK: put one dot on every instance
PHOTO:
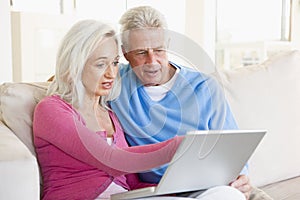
(195, 102)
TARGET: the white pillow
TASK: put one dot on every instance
(267, 96)
(17, 103)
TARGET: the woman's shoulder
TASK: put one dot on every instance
(53, 99)
(54, 107)
(52, 102)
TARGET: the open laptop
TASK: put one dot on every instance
(203, 160)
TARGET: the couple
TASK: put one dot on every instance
(80, 143)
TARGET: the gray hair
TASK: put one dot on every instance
(74, 51)
(140, 18)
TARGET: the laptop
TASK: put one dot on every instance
(204, 159)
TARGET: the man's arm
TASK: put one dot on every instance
(242, 183)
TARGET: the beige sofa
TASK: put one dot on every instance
(265, 96)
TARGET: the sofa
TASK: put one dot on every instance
(267, 96)
(263, 96)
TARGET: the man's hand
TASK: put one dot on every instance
(242, 183)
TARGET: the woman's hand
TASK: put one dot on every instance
(242, 183)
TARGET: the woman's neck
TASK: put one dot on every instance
(96, 116)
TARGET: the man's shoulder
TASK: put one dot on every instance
(194, 77)
(192, 74)
(124, 67)
(188, 70)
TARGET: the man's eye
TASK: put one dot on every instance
(141, 53)
(159, 50)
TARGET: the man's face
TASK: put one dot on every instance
(146, 53)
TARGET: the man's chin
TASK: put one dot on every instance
(148, 82)
(151, 84)
(151, 81)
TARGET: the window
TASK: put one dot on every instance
(44, 22)
(246, 33)
(37, 6)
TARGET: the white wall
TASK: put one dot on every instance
(36, 38)
(200, 24)
(5, 41)
(295, 35)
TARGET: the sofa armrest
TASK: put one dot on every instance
(19, 170)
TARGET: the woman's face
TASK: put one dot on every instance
(101, 68)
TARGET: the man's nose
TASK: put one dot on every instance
(150, 56)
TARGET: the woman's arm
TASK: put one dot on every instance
(57, 123)
(134, 182)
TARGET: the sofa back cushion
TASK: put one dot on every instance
(267, 96)
(17, 103)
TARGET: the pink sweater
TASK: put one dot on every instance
(77, 163)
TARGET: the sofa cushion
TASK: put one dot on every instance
(17, 102)
(267, 96)
(18, 168)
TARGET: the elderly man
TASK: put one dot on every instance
(161, 99)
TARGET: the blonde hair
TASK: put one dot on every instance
(75, 49)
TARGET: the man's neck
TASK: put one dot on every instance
(171, 73)
(156, 93)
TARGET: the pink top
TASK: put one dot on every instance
(77, 163)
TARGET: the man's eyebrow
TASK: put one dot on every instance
(137, 50)
(147, 48)
(160, 47)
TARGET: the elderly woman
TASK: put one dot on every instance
(79, 142)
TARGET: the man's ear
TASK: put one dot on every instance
(124, 52)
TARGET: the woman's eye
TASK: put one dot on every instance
(115, 63)
(100, 65)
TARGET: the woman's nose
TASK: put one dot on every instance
(111, 71)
